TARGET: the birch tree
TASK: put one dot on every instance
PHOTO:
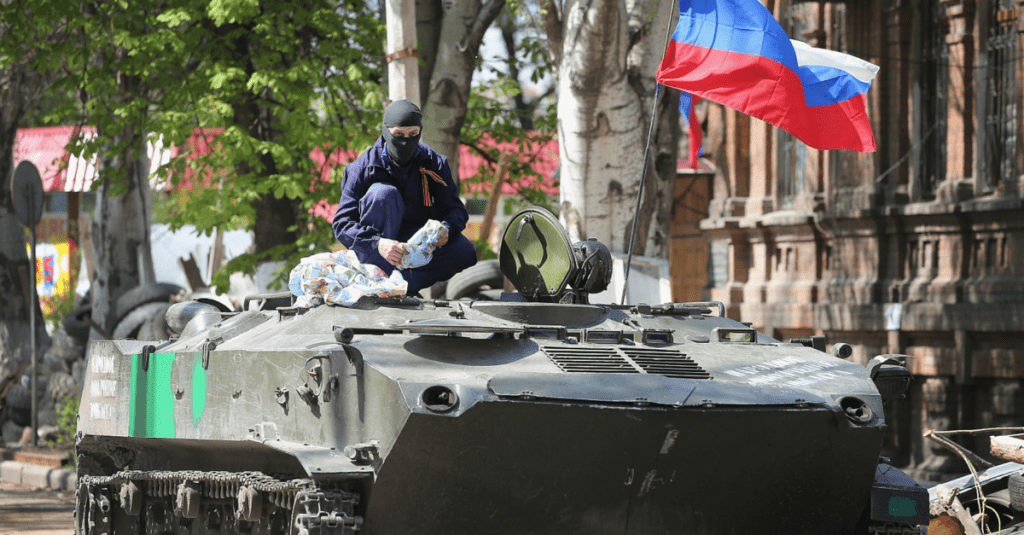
(450, 33)
(606, 53)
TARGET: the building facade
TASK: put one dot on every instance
(916, 249)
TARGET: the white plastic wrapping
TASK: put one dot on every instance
(341, 279)
(421, 245)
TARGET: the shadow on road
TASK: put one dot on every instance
(28, 511)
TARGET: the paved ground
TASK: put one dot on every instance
(28, 511)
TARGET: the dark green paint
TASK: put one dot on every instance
(902, 507)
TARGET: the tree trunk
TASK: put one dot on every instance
(15, 279)
(274, 216)
(444, 110)
(19, 86)
(429, 18)
(607, 62)
(120, 231)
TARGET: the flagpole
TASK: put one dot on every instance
(643, 173)
(640, 194)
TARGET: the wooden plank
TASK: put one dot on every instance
(1007, 448)
(192, 275)
(216, 254)
(492, 203)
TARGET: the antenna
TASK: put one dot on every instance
(643, 174)
(640, 194)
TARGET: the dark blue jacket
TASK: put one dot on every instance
(373, 166)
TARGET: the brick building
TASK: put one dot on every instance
(917, 248)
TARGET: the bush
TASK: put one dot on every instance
(55, 307)
(67, 422)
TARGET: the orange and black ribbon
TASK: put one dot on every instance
(426, 190)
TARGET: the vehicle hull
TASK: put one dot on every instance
(617, 469)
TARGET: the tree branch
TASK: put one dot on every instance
(553, 28)
(475, 35)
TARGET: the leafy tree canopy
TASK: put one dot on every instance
(270, 82)
(276, 87)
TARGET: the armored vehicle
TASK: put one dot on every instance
(543, 412)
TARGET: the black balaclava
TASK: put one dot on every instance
(402, 113)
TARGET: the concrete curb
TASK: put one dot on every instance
(38, 476)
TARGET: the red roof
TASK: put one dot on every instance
(541, 156)
(61, 171)
(45, 148)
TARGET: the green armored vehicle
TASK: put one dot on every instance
(538, 413)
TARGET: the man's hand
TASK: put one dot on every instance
(391, 250)
(442, 238)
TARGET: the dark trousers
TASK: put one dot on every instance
(383, 208)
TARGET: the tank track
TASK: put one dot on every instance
(135, 502)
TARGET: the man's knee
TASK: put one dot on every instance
(382, 208)
(381, 195)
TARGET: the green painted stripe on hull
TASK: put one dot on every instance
(152, 401)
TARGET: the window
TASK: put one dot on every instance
(1000, 98)
(931, 99)
(56, 203)
(798, 20)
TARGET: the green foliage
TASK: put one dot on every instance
(484, 250)
(493, 117)
(55, 307)
(489, 118)
(34, 40)
(276, 88)
(67, 422)
(276, 85)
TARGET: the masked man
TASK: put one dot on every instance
(390, 191)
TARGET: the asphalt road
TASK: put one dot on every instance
(28, 511)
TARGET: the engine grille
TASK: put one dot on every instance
(590, 360)
(667, 362)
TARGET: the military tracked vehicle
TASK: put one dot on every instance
(543, 412)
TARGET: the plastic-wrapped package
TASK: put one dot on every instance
(421, 245)
(340, 279)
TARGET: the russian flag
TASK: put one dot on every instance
(735, 53)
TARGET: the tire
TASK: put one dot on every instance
(1016, 487)
(131, 324)
(19, 404)
(437, 291)
(155, 328)
(486, 295)
(141, 295)
(463, 284)
(74, 323)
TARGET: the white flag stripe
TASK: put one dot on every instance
(806, 54)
